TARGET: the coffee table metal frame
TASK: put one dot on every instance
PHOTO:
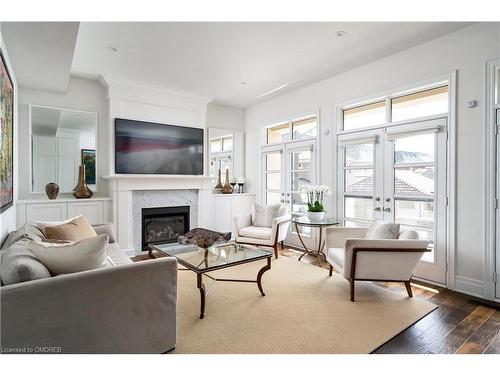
(200, 272)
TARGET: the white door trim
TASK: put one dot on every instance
(492, 158)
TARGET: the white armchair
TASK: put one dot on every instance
(360, 259)
(248, 234)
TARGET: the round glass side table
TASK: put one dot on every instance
(320, 224)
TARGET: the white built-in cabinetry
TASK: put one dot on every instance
(224, 207)
(55, 160)
(96, 210)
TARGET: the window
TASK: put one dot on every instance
(215, 145)
(227, 144)
(364, 116)
(420, 104)
(303, 128)
(278, 134)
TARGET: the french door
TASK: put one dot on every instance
(286, 168)
(398, 174)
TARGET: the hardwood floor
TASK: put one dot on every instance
(461, 324)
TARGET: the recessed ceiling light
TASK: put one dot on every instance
(113, 49)
(243, 83)
(340, 34)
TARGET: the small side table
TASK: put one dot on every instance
(320, 224)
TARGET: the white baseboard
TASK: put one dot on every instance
(469, 286)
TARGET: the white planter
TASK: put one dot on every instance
(315, 215)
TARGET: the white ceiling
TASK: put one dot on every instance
(212, 59)
(41, 53)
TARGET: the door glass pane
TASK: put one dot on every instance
(272, 198)
(413, 212)
(280, 133)
(273, 181)
(299, 179)
(363, 116)
(354, 224)
(273, 161)
(424, 234)
(301, 160)
(299, 203)
(415, 149)
(359, 181)
(420, 104)
(359, 155)
(414, 181)
(361, 208)
(225, 164)
(304, 128)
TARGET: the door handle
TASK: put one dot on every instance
(378, 209)
(387, 209)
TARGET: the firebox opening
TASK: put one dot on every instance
(163, 224)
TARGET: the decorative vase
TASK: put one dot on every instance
(227, 189)
(315, 216)
(81, 189)
(52, 190)
(219, 184)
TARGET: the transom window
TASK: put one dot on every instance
(398, 107)
(303, 128)
(221, 144)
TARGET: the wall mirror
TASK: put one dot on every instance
(61, 141)
(226, 152)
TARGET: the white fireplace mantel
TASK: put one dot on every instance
(123, 186)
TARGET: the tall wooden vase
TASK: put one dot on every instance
(227, 189)
(81, 189)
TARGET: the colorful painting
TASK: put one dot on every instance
(6, 137)
(88, 159)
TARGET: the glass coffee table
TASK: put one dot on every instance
(202, 261)
(320, 224)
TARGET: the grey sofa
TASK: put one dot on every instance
(126, 308)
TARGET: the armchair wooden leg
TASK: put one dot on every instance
(275, 247)
(351, 284)
(408, 288)
(331, 270)
(282, 246)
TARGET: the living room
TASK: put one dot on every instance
(189, 187)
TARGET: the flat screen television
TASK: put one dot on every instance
(151, 148)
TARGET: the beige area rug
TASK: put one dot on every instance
(304, 311)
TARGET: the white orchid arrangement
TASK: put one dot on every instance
(315, 196)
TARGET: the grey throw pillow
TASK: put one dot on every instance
(264, 215)
(382, 231)
(19, 263)
(106, 228)
(59, 258)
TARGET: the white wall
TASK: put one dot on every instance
(466, 51)
(82, 94)
(8, 217)
(224, 117)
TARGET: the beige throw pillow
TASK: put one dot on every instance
(70, 257)
(76, 230)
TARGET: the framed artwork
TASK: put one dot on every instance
(6, 137)
(88, 159)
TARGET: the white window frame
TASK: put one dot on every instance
(492, 189)
(445, 79)
(290, 129)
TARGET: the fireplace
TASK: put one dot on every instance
(163, 224)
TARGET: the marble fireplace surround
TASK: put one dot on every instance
(130, 193)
